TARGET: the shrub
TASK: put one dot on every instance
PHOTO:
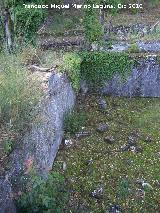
(27, 21)
(73, 122)
(92, 25)
(96, 67)
(45, 195)
(94, 30)
(19, 92)
(72, 66)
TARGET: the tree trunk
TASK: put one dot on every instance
(102, 16)
(8, 27)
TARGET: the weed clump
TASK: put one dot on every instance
(44, 195)
(73, 122)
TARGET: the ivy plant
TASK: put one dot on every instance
(44, 195)
(71, 65)
(97, 67)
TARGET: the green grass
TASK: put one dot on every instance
(111, 168)
(150, 119)
(19, 92)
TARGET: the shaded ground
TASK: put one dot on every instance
(123, 169)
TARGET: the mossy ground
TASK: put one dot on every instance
(109, 166)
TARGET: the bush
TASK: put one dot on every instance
(44, 196)
(72, 66)
(73, 122)
(96, 67)
(93, 28)
(27, 21)
(19, 92)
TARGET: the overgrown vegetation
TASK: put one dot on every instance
(19, 24)
(27, 22)
(71, 65)
(93, 162)
(92, 25)
(93, 20)
(73, 122)
(19, 93)
(44, 195)
(96, 67)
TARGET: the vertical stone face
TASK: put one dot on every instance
(6, 203)
(143, 81)
(39, 146)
